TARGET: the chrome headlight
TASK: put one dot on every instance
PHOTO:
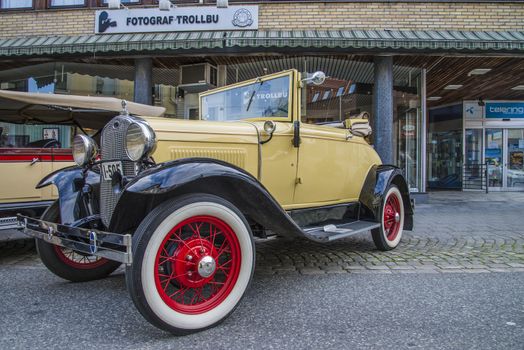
(84, 149)
(140, 141)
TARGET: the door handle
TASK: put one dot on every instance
(34, 161)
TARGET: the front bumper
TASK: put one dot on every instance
(112, 246)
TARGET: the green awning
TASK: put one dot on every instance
(350, 40)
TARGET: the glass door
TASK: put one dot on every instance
(494, 157)
(473, 176)
(515, 157)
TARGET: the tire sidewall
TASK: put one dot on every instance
(393, 190)
(150, 240)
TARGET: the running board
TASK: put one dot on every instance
(329, 233)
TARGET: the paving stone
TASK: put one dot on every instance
(407, 267)
(377, 267)
(312, 271)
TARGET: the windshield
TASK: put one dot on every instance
(261, 99)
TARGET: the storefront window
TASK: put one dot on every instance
(16, 4)
(407, 124)
(346, 93)
(515, 172)
(444, 148)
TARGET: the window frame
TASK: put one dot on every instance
(17, 8)
(291, 74)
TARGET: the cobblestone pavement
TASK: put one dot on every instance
(455, 232)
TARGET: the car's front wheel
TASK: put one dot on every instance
(388, 235)
(193, 259)
(70, 264)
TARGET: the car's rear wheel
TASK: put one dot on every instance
(389, 234)
(70, 264)
(193, 259)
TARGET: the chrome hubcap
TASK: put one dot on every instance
(397, 217)
(206, 266)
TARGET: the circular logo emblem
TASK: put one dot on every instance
(242, 18)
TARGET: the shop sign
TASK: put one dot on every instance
(505, 110)
(178, 19)
(472, 110)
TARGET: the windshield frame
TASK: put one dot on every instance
(292, 73)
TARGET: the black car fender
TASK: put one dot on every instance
(70, 183)
(379, 178)
(200, 175)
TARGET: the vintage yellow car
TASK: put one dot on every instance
(180, 201)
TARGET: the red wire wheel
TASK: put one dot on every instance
(392, 215)
(78, 260)
(197, 265)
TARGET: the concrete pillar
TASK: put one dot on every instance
(144, 80)
(383, 108)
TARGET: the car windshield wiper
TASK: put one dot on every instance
(255, 90)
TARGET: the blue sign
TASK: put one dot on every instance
(504, 109)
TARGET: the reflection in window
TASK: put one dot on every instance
(126, 1)
(315, 98)
(16, 4)
(67, 3)
(340, 91)
(326, 95)
(35, 136)
(266, 99)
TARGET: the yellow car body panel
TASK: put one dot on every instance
(19, 177)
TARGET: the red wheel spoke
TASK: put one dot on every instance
(202, 254)
(224, 264)
(170, 258)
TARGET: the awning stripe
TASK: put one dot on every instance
(391, 40)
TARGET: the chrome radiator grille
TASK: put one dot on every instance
(113, 149)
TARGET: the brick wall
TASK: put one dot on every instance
(65, 22)
(459, 16)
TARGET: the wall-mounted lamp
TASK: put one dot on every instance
(165, 5)
(115, 4)
(481, 102)
(222, 3)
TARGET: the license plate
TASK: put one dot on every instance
(109, 168)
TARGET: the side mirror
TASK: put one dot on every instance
(316, 78)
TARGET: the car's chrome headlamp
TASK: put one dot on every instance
(140, 141)
(84, 149)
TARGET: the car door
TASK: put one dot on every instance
(278, 163)
(22, 169)
(328, 167)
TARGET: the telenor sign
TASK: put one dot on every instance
(178, 19)
(505, 110)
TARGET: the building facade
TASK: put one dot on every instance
(407, 64)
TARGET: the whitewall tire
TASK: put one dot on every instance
(392, 213)
(193, 259)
